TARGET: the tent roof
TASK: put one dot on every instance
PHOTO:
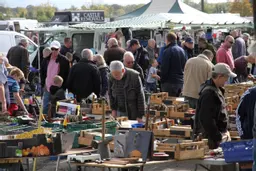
(162, 6)
(152, 21)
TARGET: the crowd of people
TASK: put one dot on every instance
(124, 75)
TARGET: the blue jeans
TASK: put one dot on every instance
(151, 87)
(46, 100)
(173, 90)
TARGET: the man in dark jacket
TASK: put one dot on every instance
(140, 54)
(245, 114)
(129, 63)
(172, 68)
(84, 77)
(211, 119)
(114, 52)
(67, 47)
(55, 64)
(126, 92)
(18, 56)
(189, 47)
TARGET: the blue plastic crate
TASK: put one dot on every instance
(238, 151)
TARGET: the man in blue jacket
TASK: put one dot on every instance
(172, 68)
(246, 118)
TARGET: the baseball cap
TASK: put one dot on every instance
(222, 68)
(189, 40)
(55, 44)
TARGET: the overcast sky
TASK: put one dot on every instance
(62, 4)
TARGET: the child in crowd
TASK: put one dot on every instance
(57, 93)
(152, 77)
(13, 83)
(70, 58)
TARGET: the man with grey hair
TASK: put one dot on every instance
(114, 52)
(84, 77)
(211, 119)
(18, 56)
(128, 62)
(126, 92)
(151, 50)
(87, 54)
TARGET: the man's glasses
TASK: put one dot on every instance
(54, 49)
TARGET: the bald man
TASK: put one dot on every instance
(84, 77)
(128, 62)
(151, 49)
(114, 52)
(224, 54)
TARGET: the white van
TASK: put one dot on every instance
(11, 38)
(18, 24)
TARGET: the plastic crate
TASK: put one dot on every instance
(238, 151)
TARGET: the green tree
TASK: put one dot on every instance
(22, 12)
(244, 7)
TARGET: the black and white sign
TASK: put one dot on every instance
(88, 16)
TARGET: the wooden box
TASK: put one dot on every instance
(184, 151)
(162, 132)
(181, 131)
(97, 109)
(157, 98)
(158, 124)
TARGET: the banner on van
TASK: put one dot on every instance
(88, 16)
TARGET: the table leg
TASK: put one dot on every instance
(58, 163)
(27, 164)
(142, 168)
(196, 167)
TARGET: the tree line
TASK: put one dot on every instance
(45, 12)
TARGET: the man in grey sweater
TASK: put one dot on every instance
(126, 92)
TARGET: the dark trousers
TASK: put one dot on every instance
(173, 90)
(192, 102)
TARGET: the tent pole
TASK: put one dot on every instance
(254, 17)
(202, 5)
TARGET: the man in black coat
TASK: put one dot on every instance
(54, 64)
(172, 66)
(140, 54)
(114, 52)
(84, 77)
(211, 119)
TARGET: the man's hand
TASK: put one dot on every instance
(139, 120)
(114, 113)
(251, 77)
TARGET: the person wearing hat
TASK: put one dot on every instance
(211, 119)
(188, 47)
(54, 64)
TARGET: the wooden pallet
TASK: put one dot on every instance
(157, 98)
(98, 110)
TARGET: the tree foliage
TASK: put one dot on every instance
(45, 12)
(243, 7)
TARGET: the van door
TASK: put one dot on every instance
(7, 43)
(32, 47)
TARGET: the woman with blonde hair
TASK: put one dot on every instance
(104, 71)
